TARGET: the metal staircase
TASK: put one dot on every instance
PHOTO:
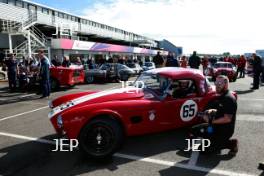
(35, 39)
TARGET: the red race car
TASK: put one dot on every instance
(64, 76)
(161, 99)
(225, 68)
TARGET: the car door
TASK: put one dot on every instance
(182, 110)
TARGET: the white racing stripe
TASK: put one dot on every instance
(85, 98)
(28, 112)
(146, 159)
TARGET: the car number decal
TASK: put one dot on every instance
(188, 110)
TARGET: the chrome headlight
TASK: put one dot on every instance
(59, 121)
(50, 104)
(63, 106)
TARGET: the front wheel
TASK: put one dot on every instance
(100, 138)
(89, 79)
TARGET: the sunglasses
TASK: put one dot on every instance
(219, 83)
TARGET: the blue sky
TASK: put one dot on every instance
(207, 26)
(72, 6)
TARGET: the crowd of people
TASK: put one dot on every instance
(254, 62)
(24, 73)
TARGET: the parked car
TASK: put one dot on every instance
(101, 120)
(225, 68)
(3, 74)
(136, 67)
(66, 76)
(148, 66)
(109, 71)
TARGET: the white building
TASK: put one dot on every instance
(26, 26)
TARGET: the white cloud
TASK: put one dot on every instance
(208, 26)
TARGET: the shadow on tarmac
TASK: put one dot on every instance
(241, 92)
(32, 158)
(17, 96)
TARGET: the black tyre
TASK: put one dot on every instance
(89, 79)
(100, 138)
(124, 77)
(72, 86)
(54, 84)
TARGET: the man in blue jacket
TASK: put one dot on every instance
(44, 75)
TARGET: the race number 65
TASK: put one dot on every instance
(188, 110)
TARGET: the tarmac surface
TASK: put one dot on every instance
(26, 142)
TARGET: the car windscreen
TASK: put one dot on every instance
(223, 65)
(122, 67)
(153, 82)
(148, 64)
(131, 65)
(104, 67)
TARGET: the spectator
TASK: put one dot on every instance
(171, 61)
(262, 71)
(55, 61)
(110, 60)
(205, 63)
(12, 71)
(44, 75)
(158, 60)
(194, 61)
(184, 62)
(241, 66)
(66, 62)
(257, 62)
(78, 61)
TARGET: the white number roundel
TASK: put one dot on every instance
(188, 110)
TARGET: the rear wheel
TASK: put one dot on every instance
(100, 138)
(54, 84)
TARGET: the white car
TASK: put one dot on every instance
(136, 67)
(3, 74)
(148, 66)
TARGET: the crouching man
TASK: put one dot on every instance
(220, 129)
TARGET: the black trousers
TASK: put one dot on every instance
(45, 88)
(256, 80)
(12, 80)
(241, 72)
(219, 139)
(262, 74)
